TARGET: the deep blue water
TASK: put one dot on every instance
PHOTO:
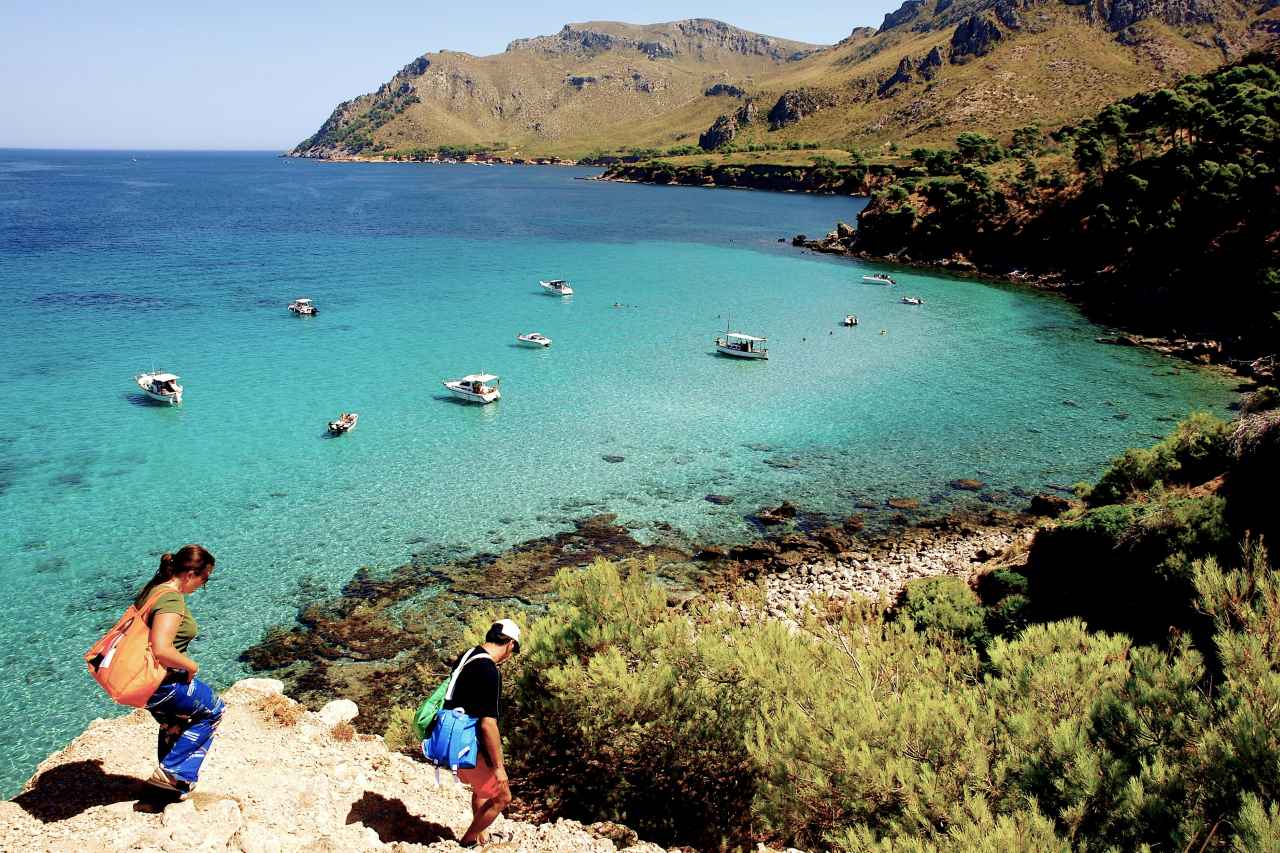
(111, 263)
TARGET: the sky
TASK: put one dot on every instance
(265, 75)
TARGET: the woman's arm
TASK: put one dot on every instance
(164, 627)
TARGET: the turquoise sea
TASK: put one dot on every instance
(111, 263)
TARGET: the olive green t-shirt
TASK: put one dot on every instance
(172, 601)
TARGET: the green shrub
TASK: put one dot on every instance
(1266, 397)
(622, 708)
(1126, 567)
(854, 732)
(1195, 451)
(1009, 616)
(399, 734)
(944, 605)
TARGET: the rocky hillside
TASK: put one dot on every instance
(279, 778)
(933, 68)
(586, 86)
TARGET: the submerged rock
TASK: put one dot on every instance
(967, 485)
(386, 632)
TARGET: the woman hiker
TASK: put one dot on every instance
(186, 708)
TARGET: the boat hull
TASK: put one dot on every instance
(737, 353)
(338, 427)
(471, 396)
(556, 291)
(167, 399)
(873, 280)
(535, 344)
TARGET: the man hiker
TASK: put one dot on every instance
(478, 691)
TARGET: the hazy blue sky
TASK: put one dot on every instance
(233, 74)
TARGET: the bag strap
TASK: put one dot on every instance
(466, 659)
(145, 611)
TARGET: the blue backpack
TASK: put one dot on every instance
(452, 740)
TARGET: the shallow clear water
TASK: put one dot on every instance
(110, 265)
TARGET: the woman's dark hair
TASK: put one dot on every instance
(188, 558)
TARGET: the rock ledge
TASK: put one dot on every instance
(274, 782)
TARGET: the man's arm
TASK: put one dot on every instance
(491, 742)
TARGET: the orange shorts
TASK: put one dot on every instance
(482, 778)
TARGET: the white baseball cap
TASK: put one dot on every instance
(510, 630)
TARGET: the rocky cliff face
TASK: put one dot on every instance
(798, 103)
(278, 778)
(975, 37)
(725, 128)
(694, 37)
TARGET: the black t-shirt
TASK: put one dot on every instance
(478, 690)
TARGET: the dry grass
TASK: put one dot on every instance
(343, 732)
(280, 710)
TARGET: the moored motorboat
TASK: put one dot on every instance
(534, 339)
(739, 345)
(851, 319)
(912, 300)
(878, 278)
(474, 388)
(345, 422)
(161, 387)
(557, 287)
(303, 307)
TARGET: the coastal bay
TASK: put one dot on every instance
(427, 272)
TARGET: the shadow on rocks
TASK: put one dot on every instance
(69, 789)
(393, 822)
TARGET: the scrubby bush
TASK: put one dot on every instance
(944, 606)
(858, 732)
(1195, 451)
(623, 708)
(1126, 567)
(1266, 397)
(399, 735)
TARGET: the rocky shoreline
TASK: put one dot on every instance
(882, 573)
(794, 178)
(470, 160)
(1203, 351)
(386, 639)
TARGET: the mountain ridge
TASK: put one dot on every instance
(932, 68)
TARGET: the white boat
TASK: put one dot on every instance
(475, 388)
(303, 308)
(878, 278)
(851, 319)
(739, 345)
(912, 300)
(557, 287)
(345, 422)
(161, 387)
(534, 339)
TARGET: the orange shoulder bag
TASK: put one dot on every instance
(122, 661)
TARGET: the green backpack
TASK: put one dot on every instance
(425, 718)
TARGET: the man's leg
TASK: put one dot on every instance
(488, 798)
(488, 813)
